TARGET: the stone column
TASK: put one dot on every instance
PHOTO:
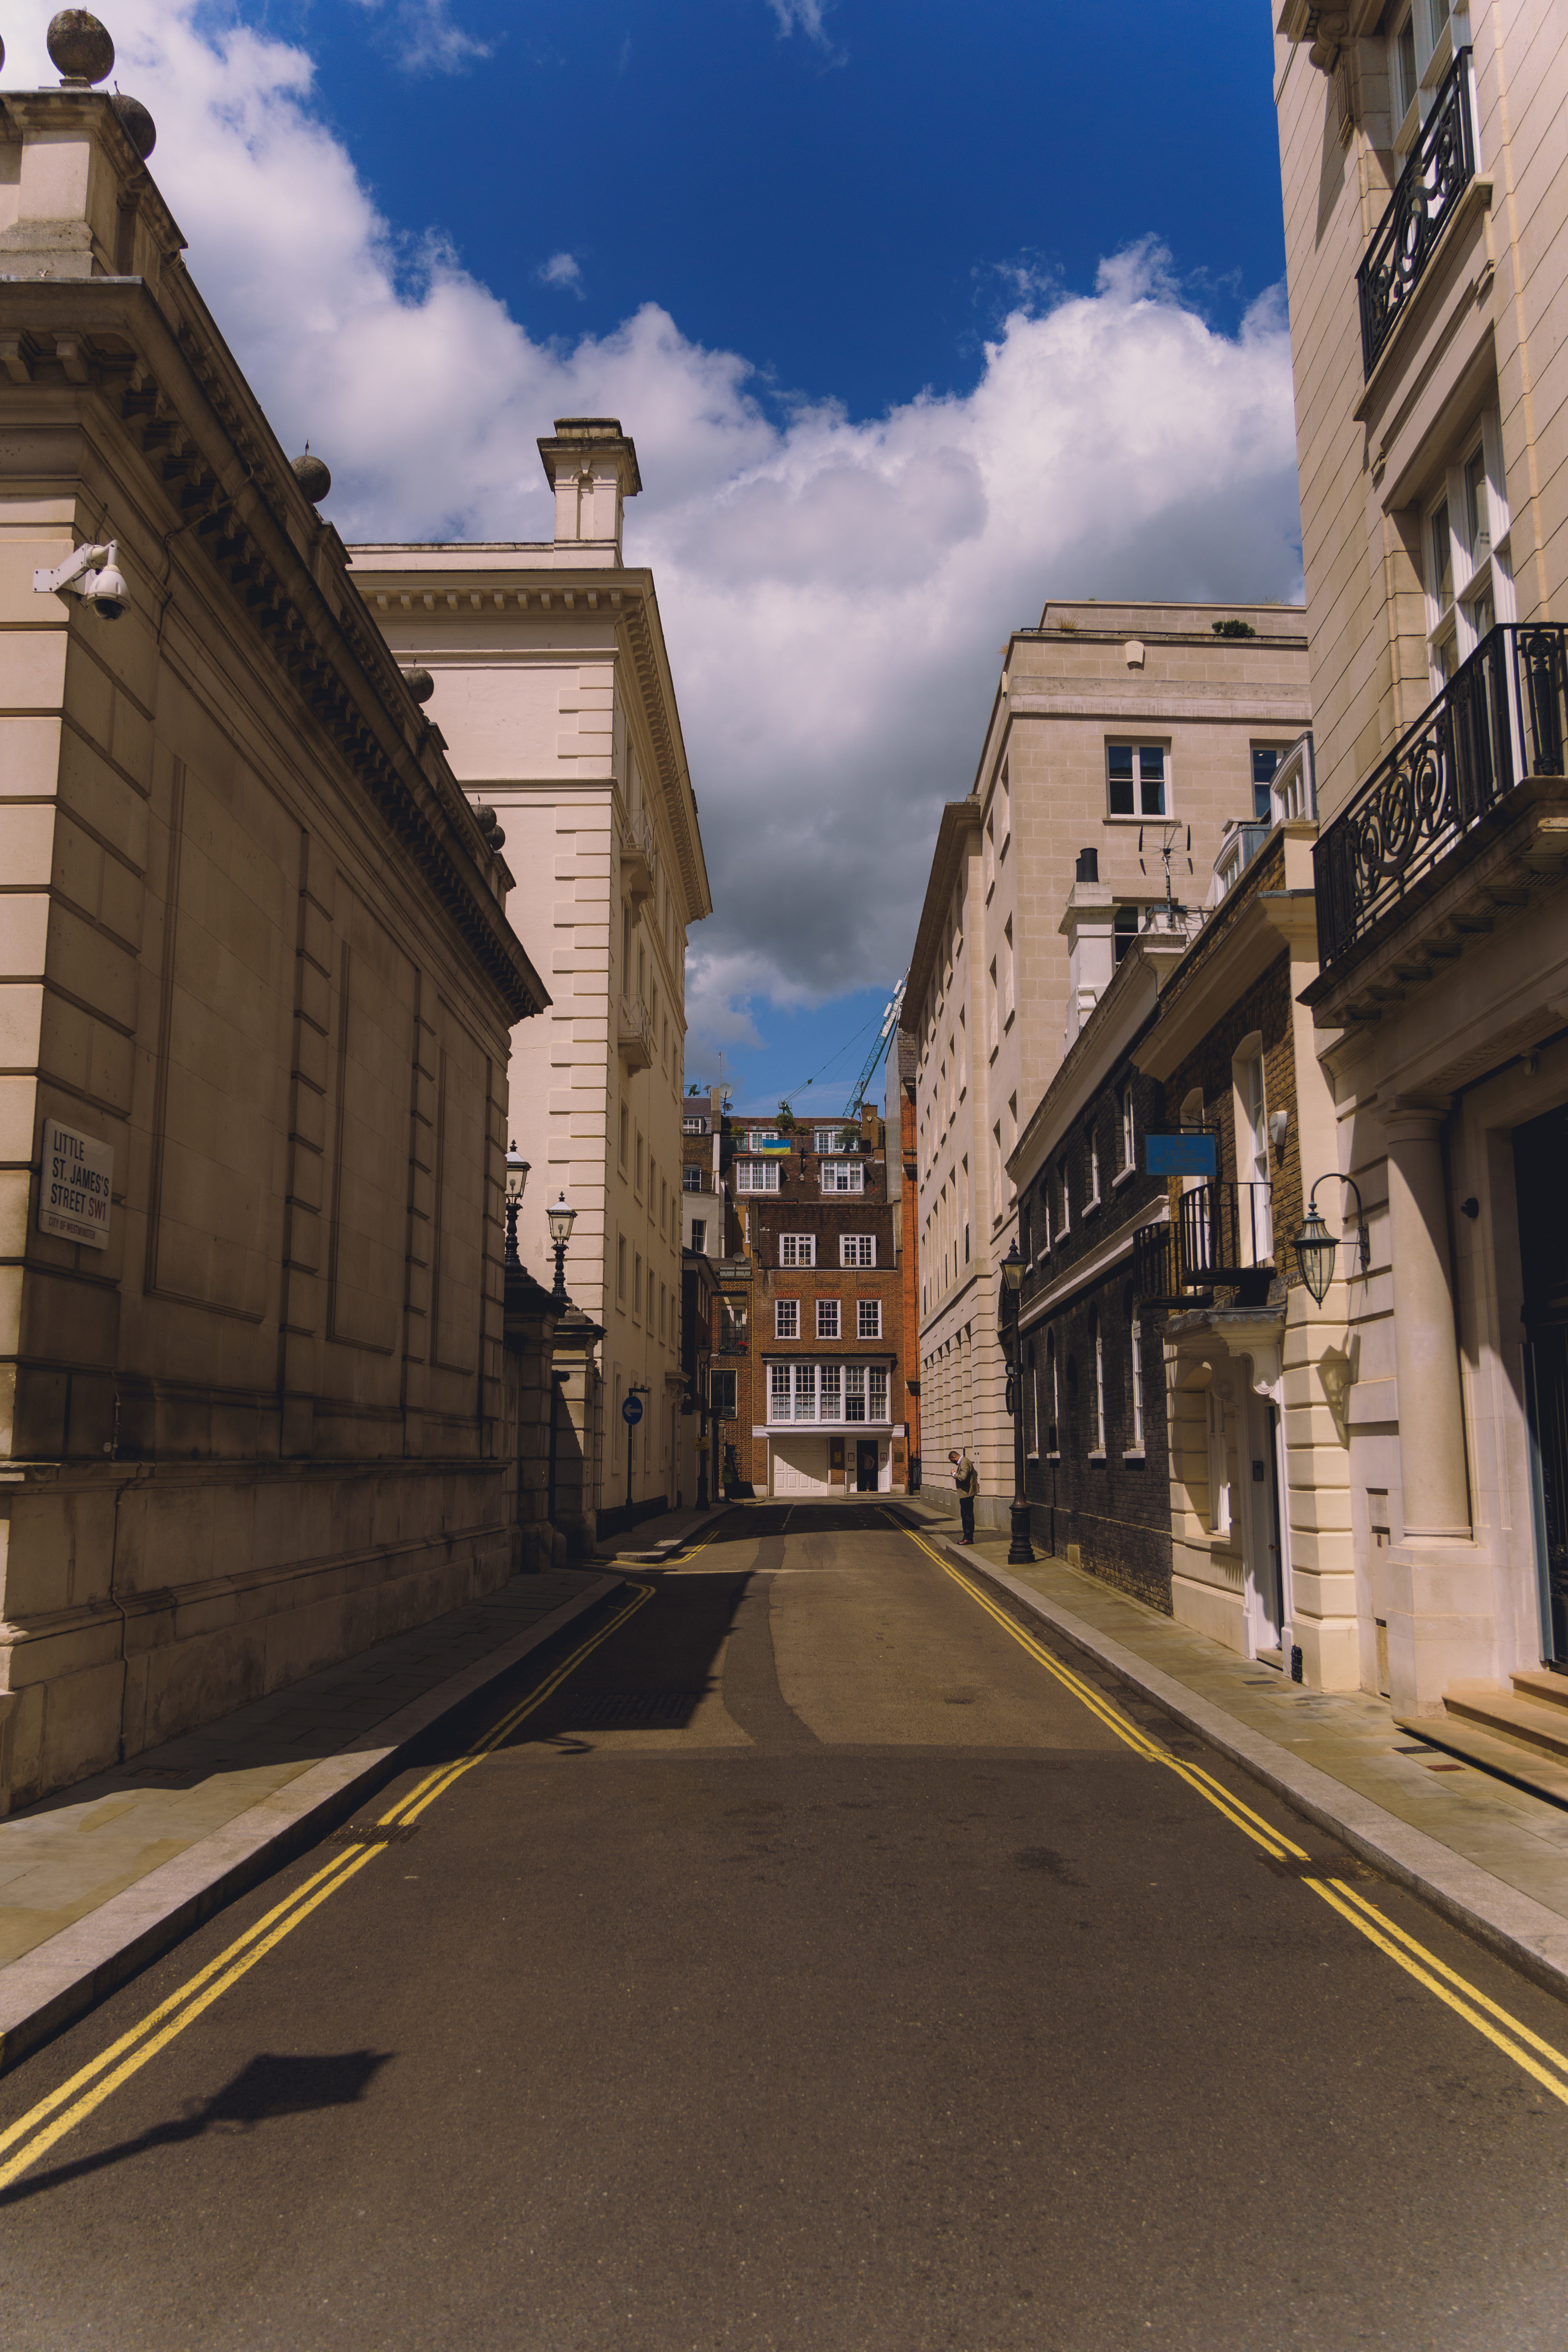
(1433, 1457)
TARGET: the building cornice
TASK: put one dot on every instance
(170, 389)
(1277, 922)
(1162, 703)
(1095, 1266)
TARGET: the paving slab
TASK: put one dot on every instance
(98, 1878)
(1490, 1855)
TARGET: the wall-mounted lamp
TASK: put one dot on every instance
(516, 1178)
(561, 1220)
(1278, 1128)
(1316, 1246)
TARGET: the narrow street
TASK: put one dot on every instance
(810, 1965)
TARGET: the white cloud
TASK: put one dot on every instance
(563, 270)
(423, 37)
(834, 590)
(802, 15)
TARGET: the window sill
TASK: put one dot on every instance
(1097, 1453)
(1123, 1176)
(1165, 818)
(1090, 1206)
(1012, 1016)
(1134, 1454)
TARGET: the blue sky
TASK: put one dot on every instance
(918, 316)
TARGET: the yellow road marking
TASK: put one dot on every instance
(1506, 2032)
(36, 2132)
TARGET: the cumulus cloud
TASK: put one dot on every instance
(563, 270)
(804, 16)
(834, 589)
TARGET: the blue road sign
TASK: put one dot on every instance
(1181, 1155)
(631, 1410)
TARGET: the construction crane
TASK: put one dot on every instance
(891, 1013)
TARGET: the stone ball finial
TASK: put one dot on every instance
(420, 684)
(136, 123)
(80, 46)
(312, 476)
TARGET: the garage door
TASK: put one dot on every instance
(800, 1465)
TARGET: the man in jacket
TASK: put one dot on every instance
(966, 1478)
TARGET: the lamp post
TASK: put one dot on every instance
(516, 1178)
(1316, 1246)
(561, 1220)
(1020, 1552)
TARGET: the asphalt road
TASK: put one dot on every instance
(812, 1969)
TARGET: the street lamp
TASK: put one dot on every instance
(516, 1178)
(1316, 1246)
(561, 1220)
(1020, 1552)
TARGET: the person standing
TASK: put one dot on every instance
(966, 1478)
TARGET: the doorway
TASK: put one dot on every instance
(866, 1466)
(1538, 1162)
(1261, 1554)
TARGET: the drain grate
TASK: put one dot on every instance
(610, 1710)
(375, 1834)
(1317, 1866)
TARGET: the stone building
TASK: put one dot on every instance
(1128, 730)
(1424, 204)
(554, 694)
(258, 989)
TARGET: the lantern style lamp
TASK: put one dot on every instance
(1316, 1246)
(516, 1178)
(1020, 1552)
(561, 1220)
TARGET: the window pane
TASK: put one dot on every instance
(779, 1393)
(806, 1392)
(854, 1392)
(878, 1392)
(1120, 757)
(1152, 781)
(827, 1393)
(1475, 501)
(1442, 558)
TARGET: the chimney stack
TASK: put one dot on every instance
(591, 466)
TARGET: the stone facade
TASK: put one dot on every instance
(553, 690)
(1117, 729)
(254, 945)
(1435, 518)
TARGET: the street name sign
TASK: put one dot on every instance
(75, 1186)
(1181, 1155)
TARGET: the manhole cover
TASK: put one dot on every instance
(609, 1710)
(373, 1833)
(1310, 1865)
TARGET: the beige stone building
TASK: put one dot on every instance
(1425, 205)
(256, 988)
(553, 695)
(1119, 732)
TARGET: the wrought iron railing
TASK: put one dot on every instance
(1441, 166)
(1503, 716)
(1219, 1235)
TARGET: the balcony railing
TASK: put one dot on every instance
(1503, 716)
(1441, 166)
(1220, 1235)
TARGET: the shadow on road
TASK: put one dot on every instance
(263, 2089)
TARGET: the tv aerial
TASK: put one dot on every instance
(1171, 845)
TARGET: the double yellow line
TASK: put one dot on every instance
(1548, 2065)
(36, 2132)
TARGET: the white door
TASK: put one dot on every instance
(800, 1465)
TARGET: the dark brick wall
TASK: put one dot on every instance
(1110, 1514)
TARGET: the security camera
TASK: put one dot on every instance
(106, 592)
(91, 573)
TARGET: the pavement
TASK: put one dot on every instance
(97, 1879)
(1490, 1855)
(813, 1959)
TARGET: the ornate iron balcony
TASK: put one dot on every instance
(1503, 715)
(1441, 166)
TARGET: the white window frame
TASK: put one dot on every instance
(1480, 577)
(756, 1175)
(1135, 1341)
(829, 1393)
(1098, 1448)
(843, 1176)
(858, 1249)
(1093, 1200)
(867, 1318)
(854, 1392)
(786, 1318)
(722, 1388)
(692, 1177)
(1128, 1121)
(827, 1318)
(797, 1249)
(1140, 753)
(779, 1387)
(831, 1138)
